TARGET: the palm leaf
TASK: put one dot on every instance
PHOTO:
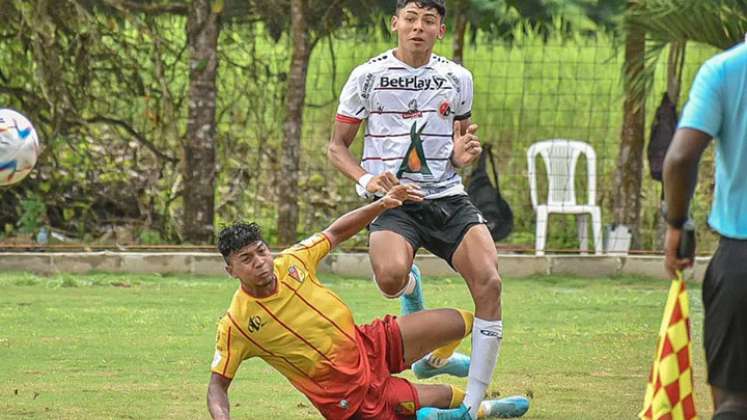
(718, 23)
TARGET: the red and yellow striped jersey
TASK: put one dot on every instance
(304, 331)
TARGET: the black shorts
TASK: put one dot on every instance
(725, 329)
(438, 225)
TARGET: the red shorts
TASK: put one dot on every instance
(388, 397)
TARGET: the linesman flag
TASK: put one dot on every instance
(669, 392)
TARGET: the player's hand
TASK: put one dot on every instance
(401, 193)
(671, 245)
(382, 183)
(467, 147)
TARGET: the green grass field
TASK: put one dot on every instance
(132, 346)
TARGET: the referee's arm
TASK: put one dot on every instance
(681, 172)
(680, 178)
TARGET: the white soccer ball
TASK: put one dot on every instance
(19, 147)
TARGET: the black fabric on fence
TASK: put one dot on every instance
(662, 132)
(487, 198)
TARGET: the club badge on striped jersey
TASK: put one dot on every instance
(444, 110)
(295, 274)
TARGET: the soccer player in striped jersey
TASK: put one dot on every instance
(284, 315)
(417, 107)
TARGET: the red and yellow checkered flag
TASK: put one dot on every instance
(669, 393)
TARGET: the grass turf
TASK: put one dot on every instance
(134, 346)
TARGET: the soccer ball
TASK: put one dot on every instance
(19, 147)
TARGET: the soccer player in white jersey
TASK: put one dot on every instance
(417, 108)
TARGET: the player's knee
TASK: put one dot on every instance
(391, 282)
(488, 287)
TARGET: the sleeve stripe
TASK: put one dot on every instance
(324, 234)
(347, 120)
(228, 352)
(463, 116)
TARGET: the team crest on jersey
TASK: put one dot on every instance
(295, 274)
(414, 161)
(444, 110)
(412, 111)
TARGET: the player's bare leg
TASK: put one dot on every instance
(391, 259)
(476, 260)
(424, 331)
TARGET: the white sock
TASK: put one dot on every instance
(486, 344)
(408, 289)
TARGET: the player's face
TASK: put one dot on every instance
(418, 28)
(252, 265)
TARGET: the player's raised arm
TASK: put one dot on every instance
(217, 397)
(354, 221)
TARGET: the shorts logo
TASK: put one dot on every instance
(406, 408)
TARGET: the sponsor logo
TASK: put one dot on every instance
(489, 333)
(412, 82)
(367, 86)
(255, 324)
(412, 110)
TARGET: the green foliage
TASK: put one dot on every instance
(149, 237)
(108, 95)
(33, 215)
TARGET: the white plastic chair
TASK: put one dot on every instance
(560, 157)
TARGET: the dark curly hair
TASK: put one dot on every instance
(439, 5)
(237, 236)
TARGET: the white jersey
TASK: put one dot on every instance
(410, 115)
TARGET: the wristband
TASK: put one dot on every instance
(364, 180)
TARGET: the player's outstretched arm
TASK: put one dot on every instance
(217, 397)
(353, 222)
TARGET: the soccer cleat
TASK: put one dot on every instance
(432, 413)
(457, 365)
(504, 408)
(414, 301)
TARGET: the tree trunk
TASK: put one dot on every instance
(460, 28)
(629, 175)
(203, 27)
(293, 125)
